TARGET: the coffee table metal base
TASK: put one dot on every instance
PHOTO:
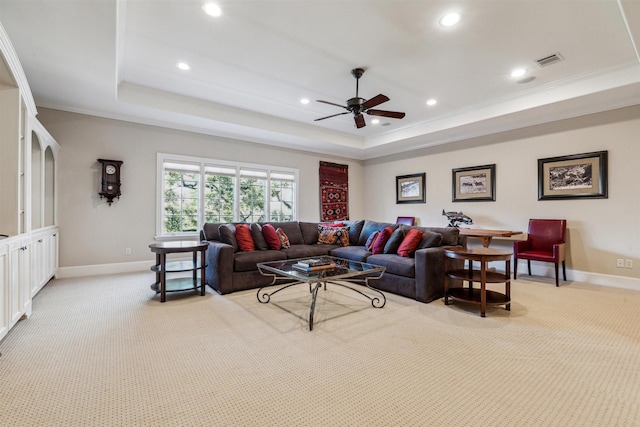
(376, 301)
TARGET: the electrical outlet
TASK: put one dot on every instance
(628, 263)
(619, 263)
(127, 251)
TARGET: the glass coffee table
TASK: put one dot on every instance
(341, 272)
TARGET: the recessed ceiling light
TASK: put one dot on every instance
(375, 121)
(304, 101)
(449, 19)
(432, 102)
(212, 9)
(183, 66)
(518, 72)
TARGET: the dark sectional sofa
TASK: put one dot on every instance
(420, 276)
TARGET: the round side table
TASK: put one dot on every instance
(162, 267)
(481, 296)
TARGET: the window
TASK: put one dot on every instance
(193, 191)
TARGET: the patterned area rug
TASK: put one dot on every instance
(334, 191)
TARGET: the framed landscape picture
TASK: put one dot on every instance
(474, 184)
(410, 188)
(569, 177)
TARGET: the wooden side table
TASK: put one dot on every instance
(481, 296)
(162, 267)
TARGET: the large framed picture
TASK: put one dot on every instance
(474, 184)
(569, 177)
(410, 188)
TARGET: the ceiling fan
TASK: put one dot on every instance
(357, 106)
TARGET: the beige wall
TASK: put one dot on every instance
(600, 230)
(92, 232)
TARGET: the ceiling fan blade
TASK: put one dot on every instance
(376, 100)
(383, 113)
(359, 119)
(333, 115)
(331, 103)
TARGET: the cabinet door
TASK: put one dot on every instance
(38, 267)
(4, 290)
(19, 281)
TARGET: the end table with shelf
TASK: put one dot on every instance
(162, 267)
(481, 296)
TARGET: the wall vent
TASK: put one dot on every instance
(549, 60)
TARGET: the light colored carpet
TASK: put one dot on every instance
(104, 351)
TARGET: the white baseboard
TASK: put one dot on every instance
(102, 269)
(610, 280)
(536, 270)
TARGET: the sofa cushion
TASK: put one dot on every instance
(244, 238)
(258, 238)
(400, 266)
(355, 228)
(284, 240)
(309, 232)
(306, 251)
(369, 227)
(246, 261)
(410, 243)
(353, 253)
(292, 229)
(430, 239)
(210, 231)
(450, 235)
(228, 235)
(381, 240)
(392, 245)
(270, 235)
(333, 235)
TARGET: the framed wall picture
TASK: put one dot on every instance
(410, 188)
(570, 177)
(474, 184)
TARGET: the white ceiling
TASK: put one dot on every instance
(251, 66)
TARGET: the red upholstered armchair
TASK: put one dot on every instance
(545, 242)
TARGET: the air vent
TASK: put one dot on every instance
(549, 60)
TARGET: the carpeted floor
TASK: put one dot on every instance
(103, 351)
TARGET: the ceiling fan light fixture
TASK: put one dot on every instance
(304, 101)
(183, 66)
(431, 102)
(450, 19)
(212, 9)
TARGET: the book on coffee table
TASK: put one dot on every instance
(313, 262)
(306, 269)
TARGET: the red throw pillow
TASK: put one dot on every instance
(243, 236)
(378, 245)
(410, 242)
(271, 237)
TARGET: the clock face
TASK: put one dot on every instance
(110, 169)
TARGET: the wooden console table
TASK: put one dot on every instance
(162, 267)
(473, 295)
(485, 236)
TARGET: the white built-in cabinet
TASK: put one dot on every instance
(28, 231)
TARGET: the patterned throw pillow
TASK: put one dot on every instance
(333, 235)
(410, 243)
(244, 238)
(284, 240)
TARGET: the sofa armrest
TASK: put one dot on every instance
(430, 269)
(219, 271)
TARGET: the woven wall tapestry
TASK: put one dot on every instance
(334, 191)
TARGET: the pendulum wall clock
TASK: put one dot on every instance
(110, 186)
